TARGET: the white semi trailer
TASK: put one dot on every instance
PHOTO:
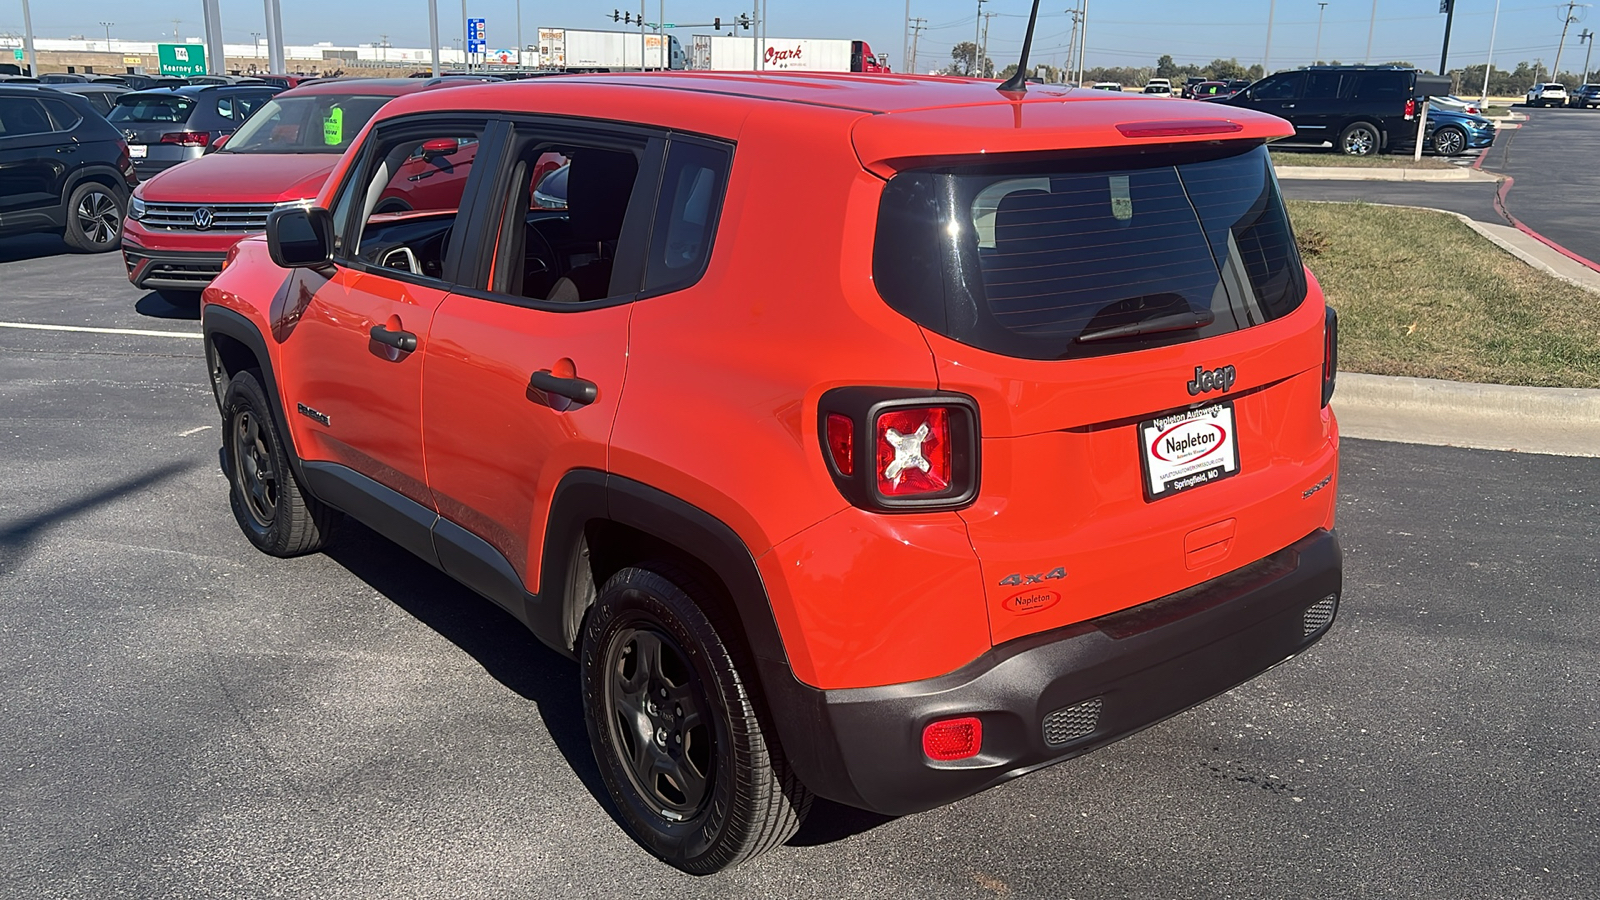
(725, 53)
(576, 50)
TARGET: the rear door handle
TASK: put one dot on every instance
(578, 389)
(404, 341)
(67, 148)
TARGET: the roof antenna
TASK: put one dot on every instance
(1018, 82)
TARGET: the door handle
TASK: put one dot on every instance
(580, 390)
(67, 148)
(1288, 106)
(404, 341)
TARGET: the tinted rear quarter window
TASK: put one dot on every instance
(1383, 86)
(1044, 262)
(22, 115)
(686, 215)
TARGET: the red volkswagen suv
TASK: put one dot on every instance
(182, 222)
(1001, 435)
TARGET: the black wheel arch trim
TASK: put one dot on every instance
(119, 184)
(219, 320)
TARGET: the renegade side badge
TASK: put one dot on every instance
(314, 415)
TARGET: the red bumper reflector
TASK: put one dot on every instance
(950, 739)
(1178, 128)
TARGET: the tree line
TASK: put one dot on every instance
(1467, 79)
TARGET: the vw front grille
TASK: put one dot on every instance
(234, 217)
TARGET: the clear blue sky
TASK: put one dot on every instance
(1120, 33)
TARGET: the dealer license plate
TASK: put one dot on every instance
(138, 151)
(1188, 449)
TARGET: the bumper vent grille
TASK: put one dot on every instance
(1319, 614)
(1070, 723)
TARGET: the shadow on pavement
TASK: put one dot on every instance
(505, 648)
(16, 537)
(515, 658)
(170, 305)
(32, 246)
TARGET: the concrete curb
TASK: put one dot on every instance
(1554, 421)
(1357, 173)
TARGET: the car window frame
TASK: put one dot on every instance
(713, 225)
(485, 230)
(43, 110)
(491, 148)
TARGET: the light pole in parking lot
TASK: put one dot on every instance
(977, 26)
(1488, 66)
(1316, 54)
(275, 61)
(1371, 24)
(1083, 39)
(1587, 37)
(433, 33)
(1266, 55)
(27, 39)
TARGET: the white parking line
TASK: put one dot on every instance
(86, 329)
(193, 431)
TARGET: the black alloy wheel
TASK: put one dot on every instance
(94, 218)
(693, 774)
(272, 510)
(1449, 141)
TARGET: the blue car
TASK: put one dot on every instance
(1451, 133)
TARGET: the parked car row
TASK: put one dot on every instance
(1586, 96)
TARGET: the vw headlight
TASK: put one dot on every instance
(136, 208)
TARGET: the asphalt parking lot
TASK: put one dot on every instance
(185, 717)
(1554, 199)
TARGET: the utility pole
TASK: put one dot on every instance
(1586, 38)
(1072, 42)
(383, 44)
(977, 25)
(466, 45)
(983, 56)
(175, 23)
(905, 43)
(1083, 40)
(1566, 22)
(918, 25)
(1448, 7)
(1488, 65)
(1316, 55)
(1371, 23)
(1266, 56)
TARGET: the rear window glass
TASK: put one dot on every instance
(147, 108)
(1085, 258)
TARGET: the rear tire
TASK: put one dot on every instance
(272, 510)
(94, 218)
(1359, 139)
(674, 728)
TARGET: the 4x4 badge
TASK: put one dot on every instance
(1019, 578)
(1219, 379)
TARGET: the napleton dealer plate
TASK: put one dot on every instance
(1188, 449)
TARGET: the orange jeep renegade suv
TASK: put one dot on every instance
(874, 438)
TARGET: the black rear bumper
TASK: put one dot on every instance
(1087, 685)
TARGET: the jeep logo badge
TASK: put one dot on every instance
(204, 215)
(1219, 379)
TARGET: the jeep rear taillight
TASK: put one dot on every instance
(1411, 109)
(913, 450)
(841, 443)
(899, 449)
(1330, 353)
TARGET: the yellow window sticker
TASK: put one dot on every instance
(333, 127)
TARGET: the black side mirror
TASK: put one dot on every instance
(299, 237)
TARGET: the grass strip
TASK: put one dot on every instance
(1330, 158)
(1421, 294)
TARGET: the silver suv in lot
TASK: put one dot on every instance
(167, 126)
(1548, 94)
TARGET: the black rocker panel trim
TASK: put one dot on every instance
(475, 563)
(383, 509)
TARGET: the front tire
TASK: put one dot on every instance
(1449, 141)
(673, 723)
(94, 218)
(274, 513)
(1360, 139)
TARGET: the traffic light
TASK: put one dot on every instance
(616, 15)
(716, 23)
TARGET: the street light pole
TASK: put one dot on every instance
(466, 40)
(1266, 56)
(1083, 40)
(107, 26)
(1371, 23)
(1316, 55)
(433, 33)
(27, 40)
(1586, 38)
(519, 34)
(1488, 66)
(1449, 19)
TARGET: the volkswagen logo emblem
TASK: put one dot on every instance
(203, 217)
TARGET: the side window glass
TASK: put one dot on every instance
(21, 115)
(1381, 86)
(1322, 85)
(573, 198)
(686, 215)
(410, 200)
(64, 117)
(1282, 87)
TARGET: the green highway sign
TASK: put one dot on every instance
(182, 59)
(17, 53)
